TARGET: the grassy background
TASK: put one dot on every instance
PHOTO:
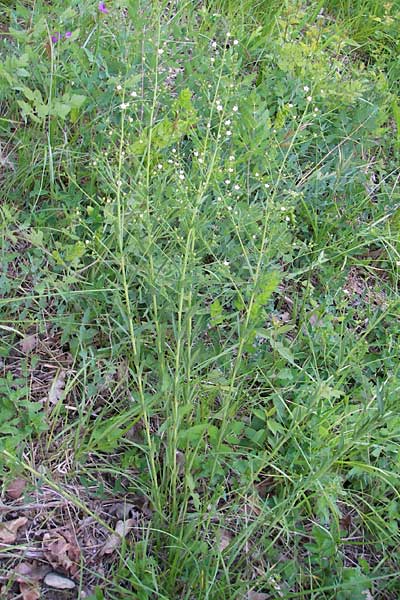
(199, 292)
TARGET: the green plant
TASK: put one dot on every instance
(199, 230)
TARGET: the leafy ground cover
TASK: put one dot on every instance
(199, 300)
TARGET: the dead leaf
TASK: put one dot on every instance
(142, 503)
(61, 552)
(30, 591)
(29, 343)
(57, 387)
(59, 582)
(225, 539)
(15, 488)
(9, 529)
(29, 572)
(122, 529)
(315, 320)
(265, 487)
(180, 461)
(256, 596)
(123, 510)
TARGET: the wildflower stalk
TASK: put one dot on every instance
(135, 344)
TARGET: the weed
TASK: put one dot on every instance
(200, 261)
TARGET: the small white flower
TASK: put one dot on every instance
(134, 94)
(227, 181)
(214, 44)
(266, 185)
(228, 34)
(231, 157)
(181, 176)
(236, 186)
(212, 59)
(201, 161)
(257, 174)
(229, 132)
(208, 125)
(228, 122)
(160, 51)
(290, 105)
(316, 109)
(119, 183)
(235, 108)
(235, 42)
(130, 119)
(306, 88)
(195, 153)
(174, 150)
(226, 263)
(124, 105)
(119, 87)
(283, 208)
(309, 98)
(159, 166)
(220, 107)
(230, 170)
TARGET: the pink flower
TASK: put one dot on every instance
(57, 36)
(103, 8)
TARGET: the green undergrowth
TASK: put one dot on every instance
(200, 232)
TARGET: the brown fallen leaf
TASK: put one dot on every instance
(256, 596)
(28, 572)
(62, 553)
(125, 510)
(113, 542)
(180, 461)
(224, 539)
(15, 488)
(57, 387)
(315, 320)
(29, 343)
(54, 580)
(30, 591)
(9, 529)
